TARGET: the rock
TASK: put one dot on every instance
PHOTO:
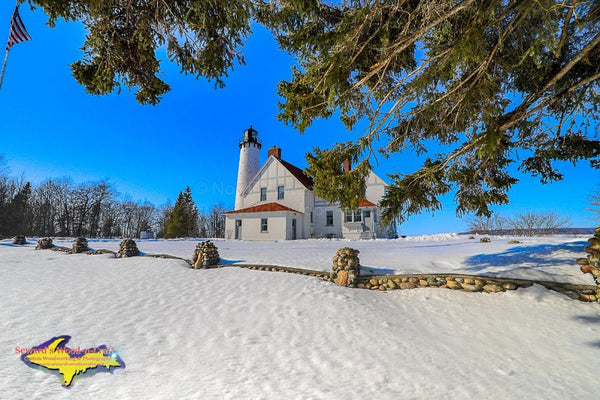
(342, 278)
(471, 288)
(492, 288)
(590, 250)
(373, 281)
(479, 282)
(582, 261)
(80, 245)
(422, 282)
(587, 297)
(586, 269)
(469, 281)
(471, 237)
(514, 242)
(407, 285)
(509, 286)
(128, 248)
(43, 244)
(485, 240)
(454, 285)
(594, 243)
(391, 284)
(19, 240)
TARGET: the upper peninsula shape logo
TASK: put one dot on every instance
(55, 357)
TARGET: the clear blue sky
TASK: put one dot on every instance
(51, 128)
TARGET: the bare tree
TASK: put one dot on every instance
(487, 225)
(216, 222)
(524, 224)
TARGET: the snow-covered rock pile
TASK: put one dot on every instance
(591, 264)
(128, 248)
(80, 245)
(206, 255)
(44, 243)
(346, 266)
(19, 240)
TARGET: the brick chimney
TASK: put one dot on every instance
(275, 151)
(347, 165)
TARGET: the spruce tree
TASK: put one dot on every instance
(473, 86)
(19, 211)
(183, 218)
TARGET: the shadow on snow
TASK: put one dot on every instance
(534, 256)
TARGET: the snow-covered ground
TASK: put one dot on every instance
(240, 334)
(550, 258)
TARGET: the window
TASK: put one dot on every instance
(348, 215)
(263, 194)
(264, 224)
(311, 217)
(329, 217)
(279, 192)
(367, 213)
(353, 216)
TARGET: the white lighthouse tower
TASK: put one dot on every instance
(249, 162)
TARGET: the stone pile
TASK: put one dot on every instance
(345, 267)
(128, 248)
(43, 244)
(20, 240)
(591, 264)
(206, 255)
(80, 245)
(485, 240)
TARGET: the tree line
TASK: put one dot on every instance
(61, 208)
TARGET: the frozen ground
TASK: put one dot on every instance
(242, 334)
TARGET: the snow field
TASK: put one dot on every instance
(239, 334)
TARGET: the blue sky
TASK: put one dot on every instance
(51, 128)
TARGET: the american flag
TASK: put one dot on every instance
(18, 33)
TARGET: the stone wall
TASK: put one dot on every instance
(346, 272)
(591, 264)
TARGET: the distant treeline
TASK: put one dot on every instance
(522, 224)
(58, 207)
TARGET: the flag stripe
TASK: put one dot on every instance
(18, 33)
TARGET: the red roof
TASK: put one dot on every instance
(268, 207)
(298, 174)
(365, 203)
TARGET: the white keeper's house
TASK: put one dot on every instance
(276, 201)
